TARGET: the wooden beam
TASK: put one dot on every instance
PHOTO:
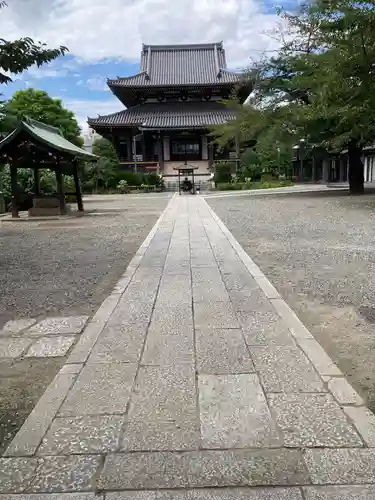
(78, 187)
(60, 188)
(36, 181)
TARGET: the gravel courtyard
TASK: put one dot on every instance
(318, 250)
(62, 268)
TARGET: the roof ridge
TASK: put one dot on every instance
(38, 124)
(183, 46)
(126, 77)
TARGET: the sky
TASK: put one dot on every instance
(105, 38)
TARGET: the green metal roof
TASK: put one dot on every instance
(50, 136)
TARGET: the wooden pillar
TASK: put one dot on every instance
(160, 151)
(36, 181)
(60, 188)
(14, 186)
(237, 146)
(144, 149)
(78, 187)
(313, 170)
(326, 170)
(129, 147)
(210, 155)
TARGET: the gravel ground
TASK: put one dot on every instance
(60, 268)
(68, 267)
(318, 250)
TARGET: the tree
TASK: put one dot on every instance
(320, 84)
(104, 148)
(37, 104)
(18, 55)
(102, 173)
(341, 114)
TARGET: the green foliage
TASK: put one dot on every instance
(318, 87)
(223, 172)
(239, 186)
(37, 104)
(104, 148)
(18, 55)
(99, 176)
(123, 187)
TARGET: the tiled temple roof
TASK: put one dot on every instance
(167, 116)
(166, 65)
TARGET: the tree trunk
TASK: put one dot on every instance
(356, 179)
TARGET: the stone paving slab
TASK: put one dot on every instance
(211, 494)
(46, 347)
(53, 496)
(49, 474)
(169, 346)
(341, 466)
(215, 315)
(194, 380)
(59, 326)
(285, 369)
(163, 414)
(312, 420)
(82, 435)
(220, 351)
(203, 469)
(363, 492)
(234, 413)
(100, 389)
(16, 326)
(121, 344)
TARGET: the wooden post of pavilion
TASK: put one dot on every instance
(60, 187)
(14, 187)
(36, 181)
(77, 186)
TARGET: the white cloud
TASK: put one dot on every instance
(45, 72)
(84, 108)
(97, 83)
(116, 28)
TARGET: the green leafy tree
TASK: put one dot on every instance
(341, 113)
(104, 148)
(320, 85)
(37, 104)
(102, 174)
(18, 55)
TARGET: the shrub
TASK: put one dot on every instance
(231, 186)
(223, 173)
(123, 187)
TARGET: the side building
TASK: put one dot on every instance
(170, 106)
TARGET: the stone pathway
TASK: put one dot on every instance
(194, 381)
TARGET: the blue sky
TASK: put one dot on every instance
(105, 40)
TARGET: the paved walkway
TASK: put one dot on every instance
(194, 381)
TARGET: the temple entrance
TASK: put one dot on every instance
(186, 148)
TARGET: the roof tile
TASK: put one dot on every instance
(168, 115)
(180, 65)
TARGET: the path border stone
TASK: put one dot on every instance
(357, 413)
(28, 438)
